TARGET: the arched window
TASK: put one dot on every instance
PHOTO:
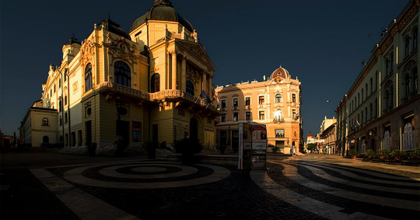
(122, 73)
(371, 85)
(155, 82)
(415, 38)
(190, 88)
(362, 95)
(367, 90)
(407, 46)
(386, 67)
(88, 77)
(391, 66)
(366, 114)
(278, 98)
(415, 81)
(407, 85)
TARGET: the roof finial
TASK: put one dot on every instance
(162, 2)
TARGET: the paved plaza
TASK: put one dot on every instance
(313, 186)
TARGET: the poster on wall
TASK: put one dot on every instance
(259, 137)
(136, 131)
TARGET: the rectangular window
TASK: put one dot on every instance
(248, 101)
(235, 102)
(248, 116)
(294, 98)
(65, 117)
(223, 103)
(279, 133)
(223, 118)
(235, 116)
(261, 100)
(45, 122)
(261, 115)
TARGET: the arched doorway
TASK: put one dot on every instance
(46, 140)
(193, 128)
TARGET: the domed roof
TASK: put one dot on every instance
(114, 28)
(164, 11)
(73, 40)
(280, 72)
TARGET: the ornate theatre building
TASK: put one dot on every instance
(149, 84)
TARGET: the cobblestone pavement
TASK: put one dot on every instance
(304, 187)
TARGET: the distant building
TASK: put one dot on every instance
(275, 102)
(382, 108)
(39, 126)
(328, 135)
(149, 84)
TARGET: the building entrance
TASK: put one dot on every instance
(193, 129)
(123, 130)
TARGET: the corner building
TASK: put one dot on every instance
(274, 102)
(143, 85)
(382, 108)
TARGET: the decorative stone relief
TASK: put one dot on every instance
(193, 74)
(87, 51)
(120, 48)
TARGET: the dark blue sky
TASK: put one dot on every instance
(321, 42)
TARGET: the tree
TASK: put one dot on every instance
(311, 146)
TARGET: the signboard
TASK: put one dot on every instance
(136, 131)
(252, 146)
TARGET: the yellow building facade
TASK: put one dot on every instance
(275, 102)
(148, 84)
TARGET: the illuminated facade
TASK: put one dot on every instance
(382, 108)
(327, 133)
(142, 85)
(274, 102)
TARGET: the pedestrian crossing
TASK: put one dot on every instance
(338, 191)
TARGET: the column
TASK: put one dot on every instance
(204, 87)
(174, 75)
(183, 74)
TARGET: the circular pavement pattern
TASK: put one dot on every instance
(158, 174)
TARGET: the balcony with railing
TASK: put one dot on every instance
(171, 95)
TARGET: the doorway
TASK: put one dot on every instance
(88, 129)
(123, 129)
(235, 141)
(193, 129)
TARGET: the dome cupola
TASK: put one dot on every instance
(115, 28)
(73, 40)
(280, 72)
(164, 11)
